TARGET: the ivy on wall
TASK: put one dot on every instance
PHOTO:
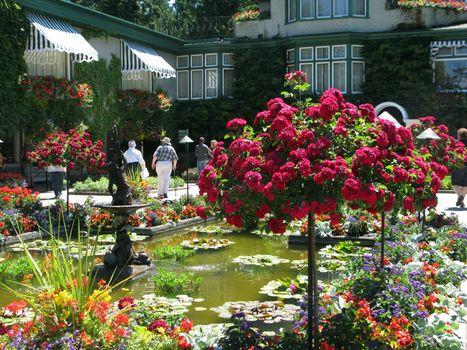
(399, 70)
(13, 38)
(104, 77)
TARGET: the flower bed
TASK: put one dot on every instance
(446, 4)
(12, 180)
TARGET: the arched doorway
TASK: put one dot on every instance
(392, 106)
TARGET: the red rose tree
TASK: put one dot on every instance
(70, 149)
(302, 159)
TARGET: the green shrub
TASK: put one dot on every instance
(446, 184)
(15, 269)
(176, 253)
(171, 284)
(90, 185)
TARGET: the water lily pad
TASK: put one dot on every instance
(301, 264)
(265, 311)
(213, 229)
(286, 288)
(259, 260)
(208, 243)
(200, 308)
(167, 306)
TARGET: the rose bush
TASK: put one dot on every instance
(304, 157)
(69, 149)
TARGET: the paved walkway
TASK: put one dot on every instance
(447, 204)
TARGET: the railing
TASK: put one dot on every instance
(207, 27)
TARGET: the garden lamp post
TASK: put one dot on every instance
(186, 140)
(427, 135)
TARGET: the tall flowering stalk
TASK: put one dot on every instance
(304, 159)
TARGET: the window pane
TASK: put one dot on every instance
(228, 82)
(291, 55)
(292, 10)
(182, 84)
(140, 80)
(451, 75)
(308, 69)
(228, 59)
(341, 8)
(306, 53)
(51, 63)
(357, 51)
(290, 68)
(182, 62)
(339, 51)
(197, 60)
(322, 77)
(339, 76)
(211, 59)
(322, 53)
(306, 9)
(196, 84)
(445, 51)
(357, 76)
(211, 83)
(461, 50)
(359, 7)
(324, 8)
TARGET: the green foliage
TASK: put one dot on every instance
(13, 36)
(90, 185)
(104, 77)
(399, 70)
(15, 269)
(176, 253)
(446, 184)
(210, 116)
(259, 76)
(171, 284)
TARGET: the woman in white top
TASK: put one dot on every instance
(134, 158)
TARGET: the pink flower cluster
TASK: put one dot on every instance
(317, 158)
(69, 149)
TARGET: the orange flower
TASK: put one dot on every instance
(85, 338)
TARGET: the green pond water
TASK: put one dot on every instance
(222, 280)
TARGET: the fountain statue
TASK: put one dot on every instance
(122, 261)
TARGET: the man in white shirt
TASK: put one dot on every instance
(134, 158)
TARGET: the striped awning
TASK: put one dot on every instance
(51, 34)
(436, 45)
(137, 58)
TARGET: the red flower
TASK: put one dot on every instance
(183, 343)
(186, 325)
(236, 123)
(235, 220)
(201, 212)
(277, 225)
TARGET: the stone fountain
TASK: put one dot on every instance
(121, 261)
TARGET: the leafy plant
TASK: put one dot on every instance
(176, 253)
(15, 269)
(169, 283)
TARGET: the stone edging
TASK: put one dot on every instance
(27, 236)
(151, 231)
(93, 193)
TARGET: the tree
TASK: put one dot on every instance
(158, 15)
(126, 9)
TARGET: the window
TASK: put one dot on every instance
(322, 52)
(292, 9)
(211, 59)
(291, 68)
(197, 83)
(211, 83)
(445, 51)
(359, 8)
(341, 8)
(228, 89)
(182, 61)
(228, 59)
(306, 53)
(357, 76)
(52, 63)
(339, 51)
(290, 55)
(308, 69)
(357, 51)
(451, 74)
(461, 51)
(182, 85)
(339, 76)
(322, 76)
(323, 8)
(197, 60)
(306, 9)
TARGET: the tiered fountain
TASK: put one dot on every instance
(122, 261)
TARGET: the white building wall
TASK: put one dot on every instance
(106, 46)
(380, 20)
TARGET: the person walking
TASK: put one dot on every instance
(134, 158)
(57, 175)
(164, 161)
(459, 176)
(202, 154)
(213, 145)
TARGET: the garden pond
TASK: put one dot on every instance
(228, 273)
